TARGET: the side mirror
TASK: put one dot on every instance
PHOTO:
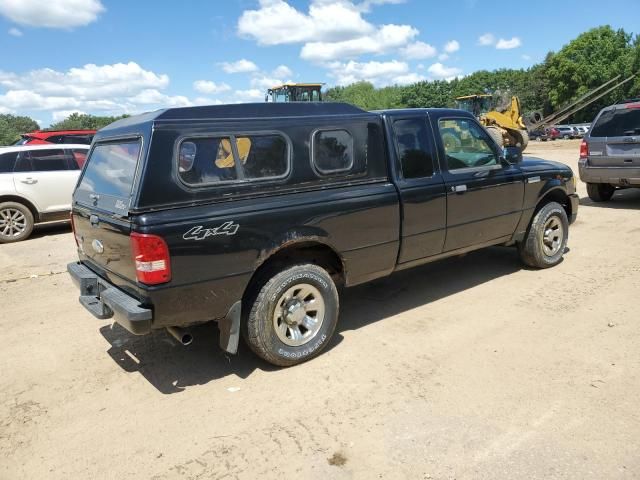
(512, 154)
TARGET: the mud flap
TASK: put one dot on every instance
(229, 327)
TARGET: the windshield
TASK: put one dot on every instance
(108, 178)
(617, 123)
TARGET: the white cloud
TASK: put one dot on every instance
(15, 32)
(451, 46)
(443, 56)
(526, 57)
(52, 13)
(330, 29)
(366, 5)
(241, 66)
(388, 37)
(207, 86)
(486, 40)
(440, 72)
(276, 22)
(103, 89)
(408, 79)
(154, 97)
(206, 101)
(282, 71)
(378, 73)
(250, 95)
(418, 51)
(503, 44)
(62, 114)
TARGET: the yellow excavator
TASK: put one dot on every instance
(503, 122)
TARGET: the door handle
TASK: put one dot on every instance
(29, 181)
(459, 188)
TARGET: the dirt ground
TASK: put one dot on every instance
(469, 368)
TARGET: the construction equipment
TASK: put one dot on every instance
(538, 122)
(295, 92)
(503, 122)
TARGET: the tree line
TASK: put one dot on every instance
(585, 63)
(12, 126)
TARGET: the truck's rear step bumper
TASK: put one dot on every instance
(104, 300)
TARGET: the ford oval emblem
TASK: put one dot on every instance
(97, 246)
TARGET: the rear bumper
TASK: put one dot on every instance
(105, 301)
(574, 198)
(619, 176)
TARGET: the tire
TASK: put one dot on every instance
(546, 238)
(16, 222)
(525, 139)
(600, 192)
(496, 135)
(284, 339)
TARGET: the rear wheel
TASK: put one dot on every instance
(600, 192)
(16, 222)
(546, 238)
(292, 316)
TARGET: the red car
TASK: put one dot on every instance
(43, 137)
(553, 133)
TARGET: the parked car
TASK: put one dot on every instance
(44, 137)
(36, 183)
(610, 152)
(566, 131)
(583, 129)
(577, 133)
(553, 133)
(538, 135)
(254, 214)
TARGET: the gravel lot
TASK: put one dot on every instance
(468, 368)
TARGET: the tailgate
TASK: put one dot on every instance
(103, 242)
(101, 209)
(614, 141)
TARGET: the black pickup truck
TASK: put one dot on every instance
(252, 215)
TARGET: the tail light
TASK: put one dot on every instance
(151, 255)
(584, 150)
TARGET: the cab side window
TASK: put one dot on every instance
(414, 149)
(466, 144)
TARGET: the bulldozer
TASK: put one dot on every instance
(502, 120)
(295, 92)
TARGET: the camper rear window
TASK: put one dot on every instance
(108, 178)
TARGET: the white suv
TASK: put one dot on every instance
(36, 183)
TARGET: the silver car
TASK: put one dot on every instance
(610, 151)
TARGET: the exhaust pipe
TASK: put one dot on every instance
(181, 335)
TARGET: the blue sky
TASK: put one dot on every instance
(111, 57)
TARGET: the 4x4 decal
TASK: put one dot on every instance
(200, 233)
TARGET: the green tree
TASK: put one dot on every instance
(588, 61)
(11, 126)
(83, 121)
(366, 96)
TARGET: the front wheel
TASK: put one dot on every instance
(546, 238)
(292, 316)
